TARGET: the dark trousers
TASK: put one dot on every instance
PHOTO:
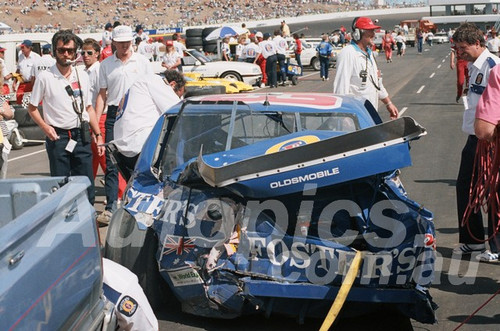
(272, 77)
(420, 44)
(324, 62)
(463, 191)
(111, 174)
(76, 163)
(126, 164)
(281, 60)
(299, 61)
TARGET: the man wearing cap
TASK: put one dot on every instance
(43, 63)
(357, 71)
(179, 47)
(107, 34)
(285, 30)
(139, 33)
(25, 65)
(261, 60)
(116, 74)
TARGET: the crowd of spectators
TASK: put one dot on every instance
(91, 16)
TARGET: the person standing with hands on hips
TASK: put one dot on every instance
(67, 112)
(357, 72)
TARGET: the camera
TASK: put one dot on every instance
(85, 132)
(363, 74)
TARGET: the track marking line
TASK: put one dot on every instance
(443, 60)
(420, 89)
(402, 111)
(439, 66)
(24, 156)
(432, 75)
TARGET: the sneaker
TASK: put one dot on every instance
(466, 249)
(262, 85)
(322, 78)
(327, 78)
(457, 99)
(104, 218)
(487, 256)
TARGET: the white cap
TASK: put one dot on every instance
(259, 35)
(122, 33)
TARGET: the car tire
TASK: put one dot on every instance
(232, 75)
(140, 258)
(22, 116)
(32, 133)
(295, 80)
(315, 63)
(192, 91)
(207, 31)
(16, 140)
(210, 49)
(196, 32)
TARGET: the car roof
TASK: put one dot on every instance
(290, 102)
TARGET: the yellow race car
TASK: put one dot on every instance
(196, 79)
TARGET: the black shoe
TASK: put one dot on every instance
(457, 98)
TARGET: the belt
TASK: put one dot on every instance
(66, 131)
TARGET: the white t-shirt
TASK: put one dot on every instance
(350, 62)
(93, 73)
(146, 49)
(106, 36)
(267, 48)
(5, 72)
(25, 65)
(43, 63)
(50, 87)
(117, 77)
(139, 110)
(281, 45)
(170, 58)
(493, 44)
(179, 48)
(251, 50)
(121, 287)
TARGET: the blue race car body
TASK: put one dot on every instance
(259, 202)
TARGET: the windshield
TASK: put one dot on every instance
(230, 126)
(199, 56)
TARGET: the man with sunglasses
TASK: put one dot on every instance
(117, 74)
(65, 93)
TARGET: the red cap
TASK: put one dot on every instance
(169, 43)
(2, 49)
(365, 23)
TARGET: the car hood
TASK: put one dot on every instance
(286, 164)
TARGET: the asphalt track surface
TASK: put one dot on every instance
(422, 87)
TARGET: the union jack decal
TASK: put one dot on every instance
(177, 244)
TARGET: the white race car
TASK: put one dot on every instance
(195, 61)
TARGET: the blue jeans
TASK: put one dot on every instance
(281, 61)
(324, 62)
(420, 44)
(111, 174)
(77, 163)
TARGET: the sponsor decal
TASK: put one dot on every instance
(479, 78)
(185, 277)
(305, 178)
(292, 143)
(128, 306)
(177, 244)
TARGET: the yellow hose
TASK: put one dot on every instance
(343, 292)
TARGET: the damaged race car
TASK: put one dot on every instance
(260, 202)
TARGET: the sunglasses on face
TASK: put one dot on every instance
(87, 52)
(62, 50)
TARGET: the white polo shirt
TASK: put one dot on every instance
(281, 45)
(139, 110)
(479, 72)
(57, 104)
(117, 76)
(25, 64)
(267, 48)
(251, 50)
(122, 288)
(93, 73)
(43, 63)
